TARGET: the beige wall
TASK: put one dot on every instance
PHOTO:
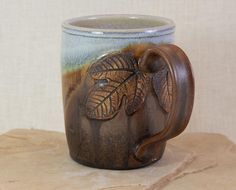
(30, 90)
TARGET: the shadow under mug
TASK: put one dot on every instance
(126, 89)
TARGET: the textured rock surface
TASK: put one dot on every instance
(34, 159)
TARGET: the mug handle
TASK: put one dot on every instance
(181, 76)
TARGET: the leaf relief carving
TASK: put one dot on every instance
(115, 76)
(163, 87)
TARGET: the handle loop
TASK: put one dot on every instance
(181, 75)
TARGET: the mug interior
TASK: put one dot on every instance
(119, 23)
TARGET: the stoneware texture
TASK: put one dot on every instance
(35, 159)
(126, 89)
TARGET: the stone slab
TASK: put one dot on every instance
(36, 159)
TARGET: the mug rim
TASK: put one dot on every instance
(72, 26)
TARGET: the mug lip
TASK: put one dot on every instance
(167, 27)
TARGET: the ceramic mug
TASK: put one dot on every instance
(126, 89)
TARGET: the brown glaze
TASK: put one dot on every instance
(121, 110)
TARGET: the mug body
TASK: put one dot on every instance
(103, 119)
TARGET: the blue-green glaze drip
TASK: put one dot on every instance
(81, 47)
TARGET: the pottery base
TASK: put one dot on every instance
(132, 163)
